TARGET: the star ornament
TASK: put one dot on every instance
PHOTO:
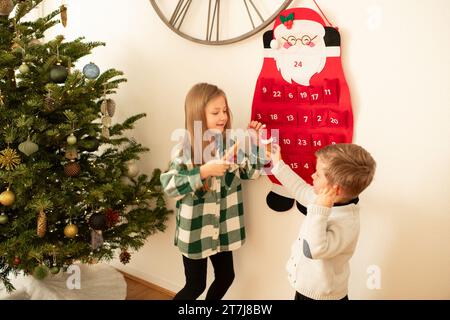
(9, 159)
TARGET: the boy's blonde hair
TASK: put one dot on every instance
(196, 100)
(349, 166)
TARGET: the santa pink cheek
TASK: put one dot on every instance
(312, 45)
(286, 45)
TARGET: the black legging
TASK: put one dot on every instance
(195, 272)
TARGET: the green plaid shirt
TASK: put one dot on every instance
(211, 221)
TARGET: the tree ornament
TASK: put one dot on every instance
(89, 144)
(7, 198)
(3, 218)
(58, 74)
(28, 147)
(112, 217)
(9, 159)
(105, 132)
(91, 71)
(63, 11)
(17, 48)
(41, 224)
(70, 231)
(24, 68)
(108, 107)
(49, 103)
(132, 169)
(72, 169)
(6, 7)
(40, 272)
(71, 140)
(106, 121)
(97, 221)
(96, 239)
(54, 270)
(124, 256)
(34, 43)
(16, 261)
(71, 153)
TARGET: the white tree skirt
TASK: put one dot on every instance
(97, 282)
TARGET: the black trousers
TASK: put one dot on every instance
(195, 272)
(299, 296)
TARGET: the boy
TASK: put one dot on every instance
(318, 268)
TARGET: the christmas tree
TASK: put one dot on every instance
(69, 187)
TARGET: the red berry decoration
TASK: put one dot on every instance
(112, 217)
(17, 261)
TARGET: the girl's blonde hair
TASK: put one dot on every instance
(349, 166)
(195, 104)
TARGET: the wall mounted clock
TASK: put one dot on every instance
(216, 22)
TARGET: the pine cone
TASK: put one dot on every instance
(72, 169)
(125, 257)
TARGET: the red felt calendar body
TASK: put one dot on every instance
(307, 117)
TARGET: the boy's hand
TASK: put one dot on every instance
(274, 153)
(254, 127)
(327, 196)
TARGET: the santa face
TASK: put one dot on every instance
(301, 51)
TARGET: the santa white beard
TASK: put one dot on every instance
(299, 64)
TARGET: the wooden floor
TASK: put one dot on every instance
(138, 289)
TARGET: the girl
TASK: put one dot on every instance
(209, 218)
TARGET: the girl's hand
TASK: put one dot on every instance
(253, 129)
(327, 196)
(274, 153)
(214, 168)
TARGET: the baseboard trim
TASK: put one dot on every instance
(148, 284)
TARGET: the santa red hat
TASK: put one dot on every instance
(286, 20)
(296, 14)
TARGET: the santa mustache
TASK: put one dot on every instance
(296, 50)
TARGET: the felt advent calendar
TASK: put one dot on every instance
(301, 91)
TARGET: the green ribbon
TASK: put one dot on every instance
(283, 19)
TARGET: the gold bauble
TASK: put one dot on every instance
(41, 224)
(71, 230)
(6, 7)
(9, 159)
(7, 197)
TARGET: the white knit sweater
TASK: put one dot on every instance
(319, 264)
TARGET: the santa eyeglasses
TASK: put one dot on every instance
(305, 40)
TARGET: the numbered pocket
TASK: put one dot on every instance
(303, 94)
(290, 118)
(307, 168)
(318, 141)
(316, 94)
(331, 91)
(303, 142)
(290, 94)
(260, 116)
(275, 118)
(287, 141)
(294, 163)
(266, 89)
(335, 138)
(277, 94)
(320, 118)
(304, 118)
(337, 119)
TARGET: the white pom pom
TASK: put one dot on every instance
(274, 44)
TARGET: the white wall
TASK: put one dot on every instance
(398, 73)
